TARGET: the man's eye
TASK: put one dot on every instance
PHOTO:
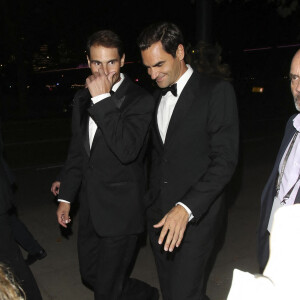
(96, 63)
(112, 62)
(294, 77)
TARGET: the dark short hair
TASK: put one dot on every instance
(167, 33)
(105, 38)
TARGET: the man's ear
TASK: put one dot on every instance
(88, 61)
(122, 60)
(180, 52)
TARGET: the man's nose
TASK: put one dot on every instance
(298, 86)
(104, 69)
(153, 74)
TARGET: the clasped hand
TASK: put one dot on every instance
(173, 227)
(100, 83)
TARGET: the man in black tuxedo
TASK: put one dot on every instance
(10, 253)
(283, 185)
(105, 164)
(194, 154)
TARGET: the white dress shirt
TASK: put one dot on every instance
(165, 111)
(168, 102)
(92, 124)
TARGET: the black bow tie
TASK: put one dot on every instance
(172, 89)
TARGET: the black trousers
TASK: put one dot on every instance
(182, 273)
(10, 255)
(105, 265)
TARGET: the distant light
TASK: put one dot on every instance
(193, 51)
(28, 86)
(257, 49)
(288, 46)
(75, 85)
(57, 83)
(50, 87)
(257, 89)
(137, 80)
(268, 47)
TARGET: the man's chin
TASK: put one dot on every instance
(161, 83)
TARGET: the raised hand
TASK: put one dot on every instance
(100, 83)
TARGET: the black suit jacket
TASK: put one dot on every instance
(110, 175)
(268, 195)
(200, 151)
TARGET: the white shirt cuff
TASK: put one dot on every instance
(61, 200)
(98, 98)
(191, 216)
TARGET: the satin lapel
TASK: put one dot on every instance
(84, 120)
(119, 97)
(121, 101)
(182, 106)
(157, 96)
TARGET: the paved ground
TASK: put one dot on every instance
(58, 276)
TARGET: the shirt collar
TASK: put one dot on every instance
(296, 122)
(117, 84)
(181, 82)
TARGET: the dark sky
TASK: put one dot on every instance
(235, 25)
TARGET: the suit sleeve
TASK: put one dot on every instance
(124, 129)
(223, 133)
(71, 173)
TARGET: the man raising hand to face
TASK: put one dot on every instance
(105, 167)
(105, 64)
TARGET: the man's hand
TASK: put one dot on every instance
(100, 83)
(62, 213)
(55, 188)
(174, 224)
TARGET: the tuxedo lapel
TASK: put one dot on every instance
(182, 106)
(156, 129)
(120, 100)
(119, 97)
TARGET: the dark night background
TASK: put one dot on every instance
(43, 44)
(42, 47)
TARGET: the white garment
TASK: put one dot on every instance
(280, 279)
(168, 102)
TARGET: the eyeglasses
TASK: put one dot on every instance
(294, 78)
